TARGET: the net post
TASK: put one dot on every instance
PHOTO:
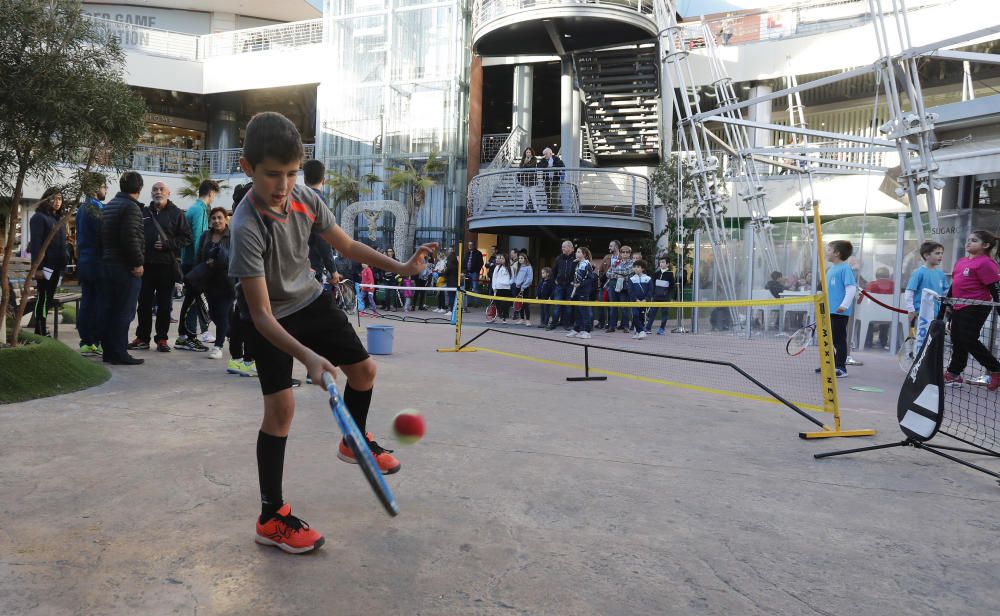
(831, 400)
(459, 297)
(586, 369)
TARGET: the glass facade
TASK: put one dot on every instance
(396, 89)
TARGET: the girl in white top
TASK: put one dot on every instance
(502, 279)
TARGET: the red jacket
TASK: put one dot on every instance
(367, 278)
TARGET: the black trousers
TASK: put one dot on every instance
(966, 324)
(158, 287)
(239, 343)
(838, 327)
(503, 307)
(43, 301)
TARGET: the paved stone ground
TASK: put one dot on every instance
(529, 495)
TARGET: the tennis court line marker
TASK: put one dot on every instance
(646, 379)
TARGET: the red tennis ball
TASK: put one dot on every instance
(408, 426)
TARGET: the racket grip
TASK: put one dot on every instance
(328, 380)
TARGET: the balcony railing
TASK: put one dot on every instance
(484, 11)
(178, 161)
(561, 191)
(199, 47)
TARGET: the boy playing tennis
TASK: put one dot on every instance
(291, 316)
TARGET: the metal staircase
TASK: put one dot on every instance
(621, 95)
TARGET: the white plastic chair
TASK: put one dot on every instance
(868, 313)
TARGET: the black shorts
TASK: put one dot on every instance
(322, 327)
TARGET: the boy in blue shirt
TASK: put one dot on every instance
(640, 289)
(927, 276)
(841, 287)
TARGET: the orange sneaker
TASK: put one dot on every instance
(288, 532)
(387, 463)
(953, 380)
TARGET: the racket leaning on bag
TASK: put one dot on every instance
(491, 312)
(907, 350)
(800, 340)
(518, 304)
(359, 447)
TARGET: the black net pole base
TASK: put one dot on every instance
(586, 378)
(844, 452)
(916, 445)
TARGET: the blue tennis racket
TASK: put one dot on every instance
(359, 447)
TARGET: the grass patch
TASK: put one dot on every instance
(43, 367)
(67, 315)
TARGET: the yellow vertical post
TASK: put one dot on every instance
(831, 399)
(458, 311)
(459, 301)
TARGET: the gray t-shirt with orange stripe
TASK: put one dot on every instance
(276, 246)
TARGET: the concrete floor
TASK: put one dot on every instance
(529, 495)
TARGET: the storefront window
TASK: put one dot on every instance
(165, 136)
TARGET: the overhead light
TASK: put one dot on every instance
(900, 192)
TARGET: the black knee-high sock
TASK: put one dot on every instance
(358, 402)
(270, 464)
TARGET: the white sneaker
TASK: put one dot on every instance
(528, 323)
(640, 336)
(572, 334)
(214, 353)
(584, 335)
(207, 337)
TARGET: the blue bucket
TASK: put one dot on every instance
(380, 339)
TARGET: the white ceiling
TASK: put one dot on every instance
(285, 10)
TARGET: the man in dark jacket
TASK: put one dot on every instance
(90, 267)
(123, 248)
(562, 272)
(166, 231)
(553, 178)
(471, 268)
(320, 254)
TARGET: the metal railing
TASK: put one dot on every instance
(491, 144)
(268, 38)
(777, 23)
(177, 161)
(150, 40)
(484, 11)
(561, 191)
(199, 47)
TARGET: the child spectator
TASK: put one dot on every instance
(408, 294)
(367, 290)
(546, 286)
(424, 280)
(974, 277)
(584, 281)
(522, 283)
(927, 276)
(841, 288)
(502, 279)
(640, 290)
(774, 285)
(663, 291)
